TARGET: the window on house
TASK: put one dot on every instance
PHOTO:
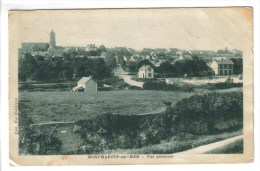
(149, 69)
(149, 74)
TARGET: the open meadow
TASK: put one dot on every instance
(127, 121)
(69, 106)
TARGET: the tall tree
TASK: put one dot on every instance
(144, 62)
(165, 67)
(238, 65)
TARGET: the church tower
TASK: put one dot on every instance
(52, 39)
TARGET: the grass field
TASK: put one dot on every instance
(69, 106)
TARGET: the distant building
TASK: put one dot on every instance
(30, 47)
(229, 55)
(52, 39)
(226, 57)
(222, 67)
(145, 71)
(41, 48)
(117, 59)
(56, 51)
(34, 46)
(125, 59)
(157, 64)
(183, 56)
(86, 84)
(179, 55)
(91, 47)
(53, 49)
(132, 59)
(148, 57)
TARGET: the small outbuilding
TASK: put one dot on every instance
(86, 84)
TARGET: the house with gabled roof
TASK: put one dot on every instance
(86, 84)
(132, 59)
(221, 67)
(145, 71)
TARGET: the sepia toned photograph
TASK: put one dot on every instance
(131, 86)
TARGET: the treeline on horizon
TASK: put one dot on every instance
(58, 69)
(67, 68)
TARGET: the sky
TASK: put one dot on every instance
(184, 28)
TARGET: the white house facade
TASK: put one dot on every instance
(222, 67)
(146, 71)
(86, 84)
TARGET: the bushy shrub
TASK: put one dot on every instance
(26, 87)
(105, 88)
(123, 131)
(25, 133)
(35, 142)
(224, 85)
(56, 86)
(151, 85)
(157, 85)
(109, 81)
(38, 144)
(209, 113)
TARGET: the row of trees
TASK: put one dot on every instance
(209, 113)
(59, 69)
(193, 68)
(68, 68)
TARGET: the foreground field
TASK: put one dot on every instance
(233, 148)
(198, 120)
(68, 106)
(182, 142)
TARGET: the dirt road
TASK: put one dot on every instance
(209, 147)
(128, 80)
(126, 77)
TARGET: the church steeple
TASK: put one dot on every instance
(52, 39)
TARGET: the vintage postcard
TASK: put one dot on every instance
(131, 86)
